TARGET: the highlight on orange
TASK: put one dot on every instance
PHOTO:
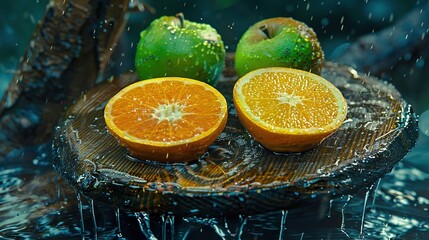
(288, 110)
(168, 119)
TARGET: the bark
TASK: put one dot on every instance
(69, 51)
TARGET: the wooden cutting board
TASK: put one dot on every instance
(237, 175)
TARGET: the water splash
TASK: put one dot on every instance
(343, 224)
(237, 234)
(400, 210)
(118, 222)
(94, 220)
(144, 224)
(167, 220)
(362, 223)
(243, 221)
(374, 196)
(283, 224)
(82, 223)
(211, 222)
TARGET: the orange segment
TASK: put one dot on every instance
(166, 119)
(288, 110)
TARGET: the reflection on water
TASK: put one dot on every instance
(35, 203)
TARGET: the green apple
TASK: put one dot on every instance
(175, 47)
(279, 42)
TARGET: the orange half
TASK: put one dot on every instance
(166, 119)
(288, 110)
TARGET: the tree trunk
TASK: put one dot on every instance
(69, 51)
(378, 53)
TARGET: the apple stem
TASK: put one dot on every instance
(264, 29)
(181, 18)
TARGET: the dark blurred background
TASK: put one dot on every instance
(336, 23)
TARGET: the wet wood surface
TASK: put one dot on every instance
(237, 175)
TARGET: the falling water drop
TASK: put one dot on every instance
(362, 222)
(282, 224)
(243, 221)
(375, 194)
(144, 223)
(343, 225)
(330, 207)
(217, 229)
(172, 230)
(94, 221)
(82, 224)
(164, 227)
(118, 221)
(239, 228)
(226, 226)
(166, 221)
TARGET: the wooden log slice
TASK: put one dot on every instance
(237, 175)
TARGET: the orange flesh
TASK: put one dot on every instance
(179, 113)
(290, 101)
(288, 110)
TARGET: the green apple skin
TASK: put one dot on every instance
(279, 42)
(175, 47)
